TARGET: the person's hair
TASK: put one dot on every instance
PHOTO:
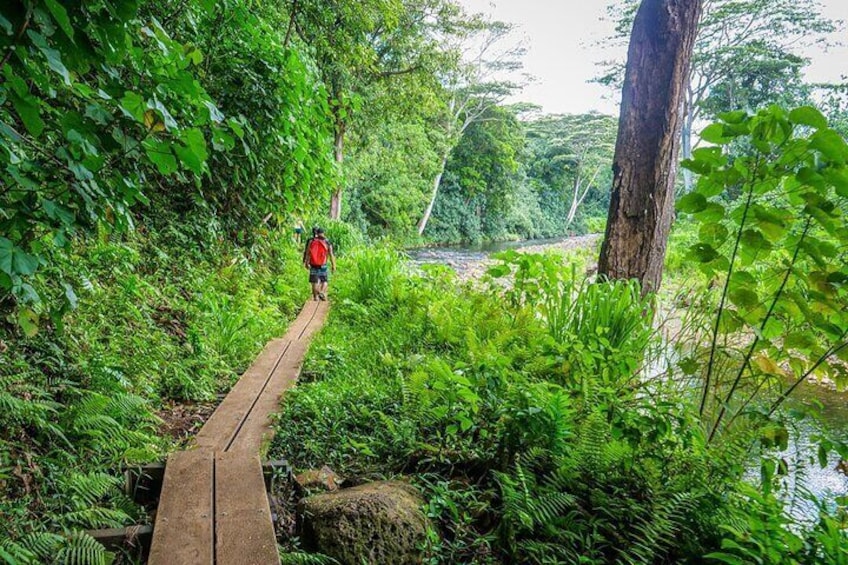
(316, 230)
(319, 230)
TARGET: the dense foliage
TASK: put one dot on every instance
(530, 420)
(154, 156)
(162, 326)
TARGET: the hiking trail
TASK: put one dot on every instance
(213, 509)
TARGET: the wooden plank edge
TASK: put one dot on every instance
(143, 483)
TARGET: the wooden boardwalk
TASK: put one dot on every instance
(213, 509)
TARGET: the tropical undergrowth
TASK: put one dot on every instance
(165, 316)
(529, 414)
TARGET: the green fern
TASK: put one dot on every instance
(93, 500)
(655, 533)
(82, 549)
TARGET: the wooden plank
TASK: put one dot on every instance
(307, 313)
(217, 432)
(121, 538)
(144, 482)
(243, 527)
(257, 427)
(311, 325)
(184, 530)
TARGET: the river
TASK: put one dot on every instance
(825, 483)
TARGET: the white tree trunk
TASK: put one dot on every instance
(422, 224)
(338, 153)
(686, 145)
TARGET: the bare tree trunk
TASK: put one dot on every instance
(422, 224)
(578, 197)
(686, 142)
(338, 153)
(645, 163)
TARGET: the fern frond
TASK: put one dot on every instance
(82, 549)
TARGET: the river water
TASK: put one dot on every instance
(825, 483)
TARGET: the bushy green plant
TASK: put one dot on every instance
(369, 274)
(764, 534)
(600, 329)
(771, 235)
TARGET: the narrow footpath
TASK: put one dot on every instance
(213, 509)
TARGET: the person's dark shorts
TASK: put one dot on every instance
(318, 274)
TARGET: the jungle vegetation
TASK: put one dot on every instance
(154, 157)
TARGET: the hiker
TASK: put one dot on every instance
(298, 231)
(318, 250)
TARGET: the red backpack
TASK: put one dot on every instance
(318, 251)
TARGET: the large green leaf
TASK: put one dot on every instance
(61, 16)
(692, 203)
(29, 111)
(28, 321)
(54, 59)
(716, 134)
(193, 153)
(16, 261)
(134, 105)
(808, 116)
(831, 144)
(160, 154)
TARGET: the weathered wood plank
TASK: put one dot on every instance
(213, 508)
(120, 538)
(144, 482)
(243, 526)
(219, 430)
(184, 530)
(257, 427)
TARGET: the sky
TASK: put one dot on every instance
(563, 40)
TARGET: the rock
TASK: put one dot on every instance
(375, 523)
(324, 479)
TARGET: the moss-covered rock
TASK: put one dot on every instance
(377, 523)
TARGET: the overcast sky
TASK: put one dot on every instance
(562, 37)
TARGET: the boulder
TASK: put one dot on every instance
(375, 523)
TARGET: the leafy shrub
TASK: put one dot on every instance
(770, 232)
(764, 534)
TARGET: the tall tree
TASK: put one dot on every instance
(573, 153)
(473, 86)
(648, 142)
(356, 43)
(747, 52)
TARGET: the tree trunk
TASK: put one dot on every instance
(648, 143)
(422, 224)
(686, 145)
(338, 153)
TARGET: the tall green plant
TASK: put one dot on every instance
(772, 236)
(372, 275)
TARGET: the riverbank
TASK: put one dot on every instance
(470, 263)
(818, 395)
